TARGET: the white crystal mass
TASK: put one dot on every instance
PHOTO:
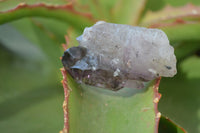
(130, 53)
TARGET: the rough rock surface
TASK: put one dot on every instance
(114, 56)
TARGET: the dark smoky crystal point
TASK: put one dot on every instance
(72, 55)
(84, 68)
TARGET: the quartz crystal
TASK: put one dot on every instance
(114, 56)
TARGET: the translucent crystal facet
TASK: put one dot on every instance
(114, 56)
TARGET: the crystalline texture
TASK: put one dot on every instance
(114, 56)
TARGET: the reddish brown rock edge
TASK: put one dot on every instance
(65, 103)
(156, 99)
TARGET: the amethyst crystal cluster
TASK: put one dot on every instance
(114, 56)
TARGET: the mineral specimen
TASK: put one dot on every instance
(114, 56)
